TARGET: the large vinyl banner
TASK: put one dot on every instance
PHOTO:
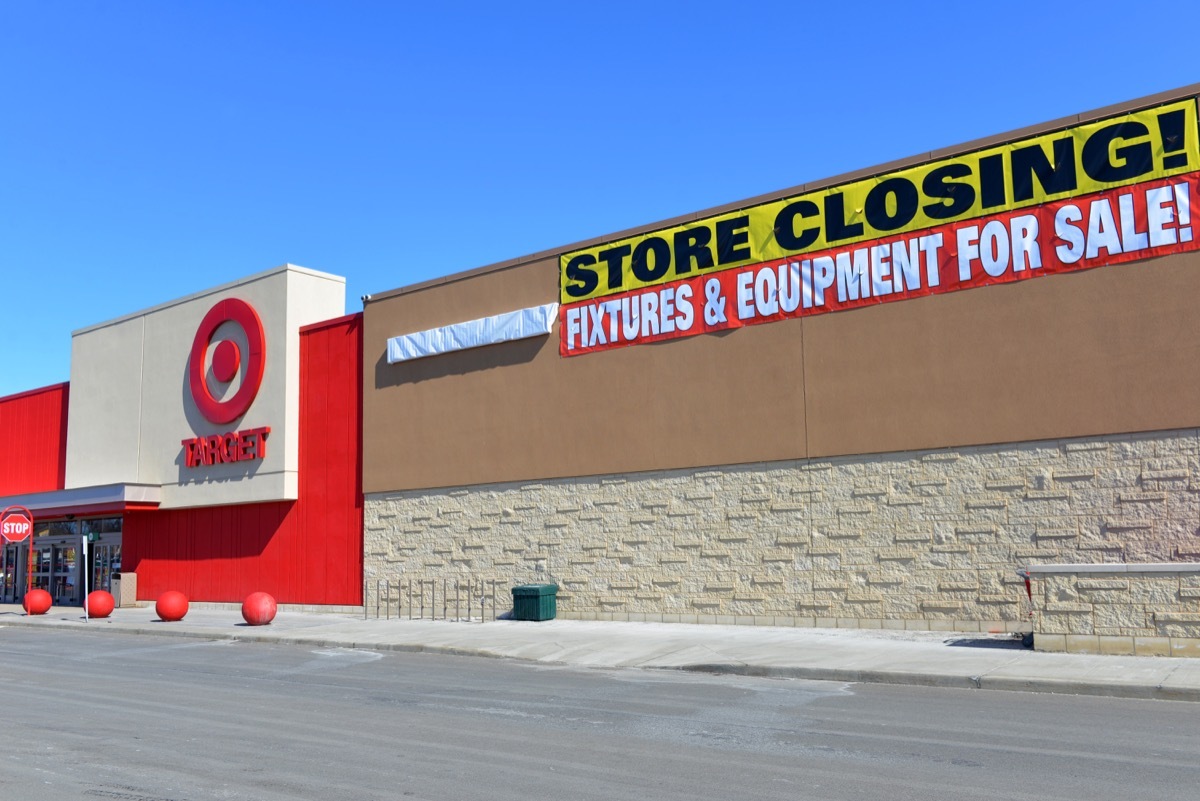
(1103, 192)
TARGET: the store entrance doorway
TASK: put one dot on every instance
(59, 566)
(56, 570)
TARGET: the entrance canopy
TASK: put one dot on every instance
(104, 499)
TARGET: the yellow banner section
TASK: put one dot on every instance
(1090, 157)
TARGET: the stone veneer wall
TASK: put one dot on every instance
(918, 540)
(1146, 609)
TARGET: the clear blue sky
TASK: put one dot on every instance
(152, 149)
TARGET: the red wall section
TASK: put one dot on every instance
(33, 427)
(307, 551)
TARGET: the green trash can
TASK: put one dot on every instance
(535, 601)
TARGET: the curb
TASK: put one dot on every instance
(998, 684)
(842, 675)
(282, 638)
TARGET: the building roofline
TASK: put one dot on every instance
(1191, 90)
(283, 268)
(39, 390)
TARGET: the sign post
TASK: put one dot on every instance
(16, 524)
(86, 574)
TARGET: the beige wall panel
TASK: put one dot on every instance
(1112, 350)
(105, 405)
(519, 411)
(132, 406)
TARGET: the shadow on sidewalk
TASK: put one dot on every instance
(1006, 643)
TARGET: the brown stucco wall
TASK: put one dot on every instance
(518, 410)
(1107, 351)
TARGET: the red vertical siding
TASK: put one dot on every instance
(34, 425)
(307, 551)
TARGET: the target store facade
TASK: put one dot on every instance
(867, 401)
(209, 445)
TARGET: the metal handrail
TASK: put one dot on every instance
(417, 598)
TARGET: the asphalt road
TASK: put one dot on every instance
(142, 718)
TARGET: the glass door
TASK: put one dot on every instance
(41, 566)
(65, 576)
(56, 570)
(106, 561)
(12, 572)
(104, 551)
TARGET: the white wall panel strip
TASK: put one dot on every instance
(507, 327)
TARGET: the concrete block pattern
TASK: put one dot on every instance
(910, 540)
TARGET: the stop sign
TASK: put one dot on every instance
(16, 523)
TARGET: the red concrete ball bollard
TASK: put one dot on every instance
(171, 605)
(100, 603)
(258, 609)
(37, 602)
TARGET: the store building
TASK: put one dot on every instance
(867, 401)
(208, 445)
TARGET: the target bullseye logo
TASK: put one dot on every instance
(227, 361)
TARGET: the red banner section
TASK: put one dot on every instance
(1119, 225)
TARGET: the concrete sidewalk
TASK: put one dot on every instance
(850, 655)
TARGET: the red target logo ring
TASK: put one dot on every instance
(227, 354)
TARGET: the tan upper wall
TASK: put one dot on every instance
(1105, 351)
(132, 406)
(518, 410)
